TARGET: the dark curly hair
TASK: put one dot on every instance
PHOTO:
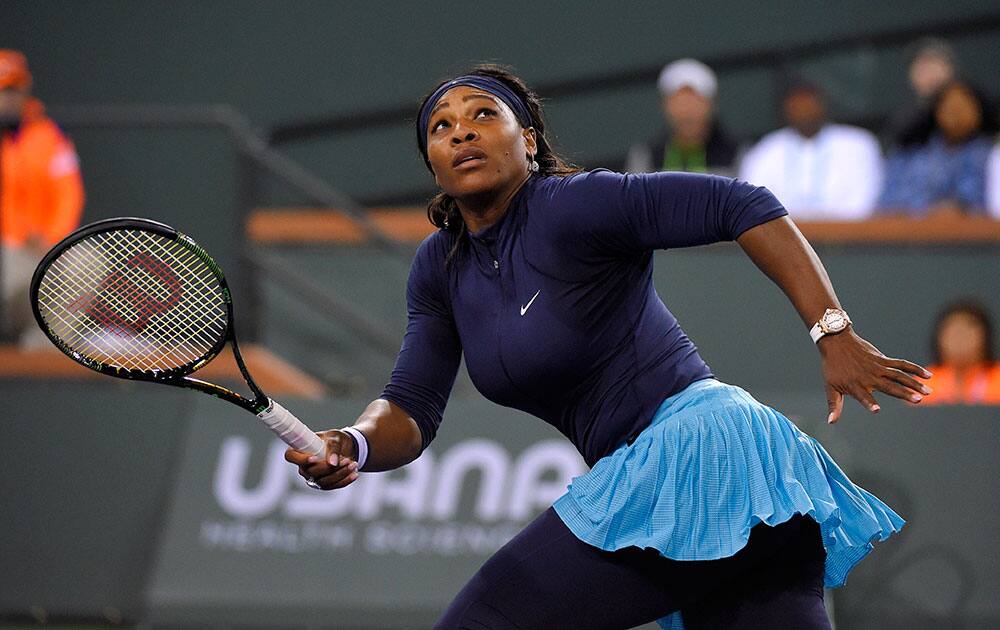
(925, 125)
(442, 211)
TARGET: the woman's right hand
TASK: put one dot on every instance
(336, 470)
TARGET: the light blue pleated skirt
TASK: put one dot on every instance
(713, 463)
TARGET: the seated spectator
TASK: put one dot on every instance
(941, 168)
(693, 140)
(819, 170)
(41, 193)
(932, 66)
(964, 366)
(993, 182)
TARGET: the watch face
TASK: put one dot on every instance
(835, 321)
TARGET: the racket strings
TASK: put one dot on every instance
(127, 293)
(122, 306)
(107, 309)
(133, 299)
(110, 305)
(133, 292)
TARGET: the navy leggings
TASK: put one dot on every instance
(545, 577)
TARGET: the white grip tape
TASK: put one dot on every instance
(291, 430)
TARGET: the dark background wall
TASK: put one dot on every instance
(281, 61)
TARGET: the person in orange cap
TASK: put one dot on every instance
(41, 191)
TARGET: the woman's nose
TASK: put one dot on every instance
(463, 134)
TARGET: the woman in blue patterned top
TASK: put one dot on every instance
(702, 506)
(940, 166)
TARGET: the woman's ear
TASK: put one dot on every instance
(530, 141)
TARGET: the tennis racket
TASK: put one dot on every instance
(136, 299)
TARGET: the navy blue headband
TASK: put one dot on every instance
(487, 84)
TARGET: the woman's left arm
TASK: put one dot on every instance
(851, 365)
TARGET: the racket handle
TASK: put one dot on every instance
(291, 430)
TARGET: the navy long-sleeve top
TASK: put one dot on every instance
(554, 305)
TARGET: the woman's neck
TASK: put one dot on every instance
(953, 142)
(481, 211)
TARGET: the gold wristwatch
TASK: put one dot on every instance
(834, 321)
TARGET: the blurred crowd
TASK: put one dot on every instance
(937, 156)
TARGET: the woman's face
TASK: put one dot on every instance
(475, 144)
(961, 340)
(958, 114)
(689, 115)
(928, 73)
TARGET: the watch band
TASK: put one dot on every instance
(816, 332)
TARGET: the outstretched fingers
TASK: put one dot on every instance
(854, 367)
(905, 366)
(893, 388)
(906, 380)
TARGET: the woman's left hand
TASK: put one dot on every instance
(854, 367)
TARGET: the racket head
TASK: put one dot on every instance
(133, 298)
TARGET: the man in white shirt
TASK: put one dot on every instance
(820, 171)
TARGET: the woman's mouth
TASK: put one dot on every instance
(468, 158)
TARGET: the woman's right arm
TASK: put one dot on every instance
(393, 441)
(400, 424)
(394, 438)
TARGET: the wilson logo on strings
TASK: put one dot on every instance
(128, 298)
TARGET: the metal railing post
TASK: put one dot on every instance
(256, 159)
(247, 196)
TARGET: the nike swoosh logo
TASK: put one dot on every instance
(524, 309)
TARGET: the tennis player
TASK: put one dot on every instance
(702, 505)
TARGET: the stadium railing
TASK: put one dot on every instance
(255, 156)
(335, 227)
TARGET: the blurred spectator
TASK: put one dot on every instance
(993, 182)
(818, 169)
(932, 66)
(964, 367)
(940, 169)
(41, 193)
(693, 140)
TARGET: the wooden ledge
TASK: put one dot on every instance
(318, 225)
(409, 224)
(904, 230)
(276, 376)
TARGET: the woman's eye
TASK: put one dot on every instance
(439, 125)
(485, 112)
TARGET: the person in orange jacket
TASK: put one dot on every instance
(965, 369)
(41, 191)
